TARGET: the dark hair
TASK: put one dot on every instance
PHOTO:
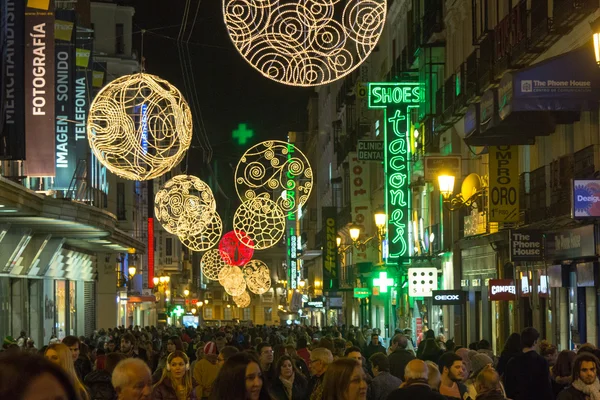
(380, 361)
(512, 344)
(564, 363)
(301, 343)
(374, 334)
(529, 336)
(579, 360)
(352, 350)
(547, 348)
(71, 340)
(484, 345)
(473, 346)
(450, 345)
(176, 341)
(430, 334)
(231, 381)
(112, 359)
(327, 344)
(19, 370)
(261, 346)
(337, 378)
(128, 337)
(297, 372)
(447, 360)
(228, 351)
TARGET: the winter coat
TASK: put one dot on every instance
(382, 385)
(527, 377)
(304, 354)
(495, 395)
(372, 349)
(419, 391)
(99, 386)
(166, 391)
(398, 360)
(559, 383)
(299, 389)
(505, 357)
(571, 393)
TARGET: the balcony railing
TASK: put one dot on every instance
(471, 81)
(561, 173)
(537, 194)
(433, 19)
(586, 162)
(485, 71)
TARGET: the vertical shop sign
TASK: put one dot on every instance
(12, 80)
(330, 251)
(360, 201)
(397, 99)
(504, 184)
(292, 239)
(39, 88)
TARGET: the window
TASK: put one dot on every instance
(208, 312)
(247, 315)
(121, 212)
(268, 311)
(120, 39)
(227, 314)
(169, 247)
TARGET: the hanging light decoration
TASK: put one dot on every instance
(232, 280)
(238, 251)
(305, 43)
(183, 195)
(261, 220)
(139, 126)
(276, 170)
(212, 263)
(243, 300)
(200, 231)
(258, 276)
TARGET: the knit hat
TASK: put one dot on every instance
(210, 349)
(479, 361)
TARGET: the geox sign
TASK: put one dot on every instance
(448, 297)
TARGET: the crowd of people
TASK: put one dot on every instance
(291, 363)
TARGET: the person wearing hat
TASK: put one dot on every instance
(206, 371)
(478, 362)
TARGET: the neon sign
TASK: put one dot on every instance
(397, 99)
(291, 222)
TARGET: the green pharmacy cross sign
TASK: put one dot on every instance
(383, 282)
(396, 99)
(242, 134)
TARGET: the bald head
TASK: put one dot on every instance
(416, 369)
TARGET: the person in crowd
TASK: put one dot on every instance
(416, 385)
(464, 353)
(527, 375)
(99, 383)
(512, 348)
(176, 380)
(320, 359)
(478, 362)
(290, 350)
(61, 355)
(100, 361)
(206, 370)
(383, 382)
(27, 376)
(344, 380)
(453, 374)
(265, 356)
(302, 351)
(128, 347)
(110, 345)
(562, 371)
(132, 380)
(429, 349)
(450, 345)
(174, 343)
(549, 352)
(585, 385)
(434, 378)
(152, 355)
(240, 378)
(290, 384)
(30, 346)
(220, 340)
(83, 365)
(488, 386)
(225, 353)
(374, 347)
(400, 357)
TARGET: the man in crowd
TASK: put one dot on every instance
(374, 346)
(206, 370)
(302, 350)
(416, 386)
(265, 357)
(453, 374)
(400, 357)
(585, 379)
(527, 375)
(383, 382)
(83, 365)
(320, 358)
(132, 380)
(128, 342)
(225, 353)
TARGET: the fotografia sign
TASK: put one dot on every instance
(370, 150)
(526, 246)
(586, 198)
(502, 289)
(448, 297)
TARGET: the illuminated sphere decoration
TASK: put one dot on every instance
(212, 263)
(139, 126)
(183, 194)
(232, 280)
(243, 300)
(200, 231)
(275, 170)
(258, 276)
(238, 251)
(261, 220)
(304, 43)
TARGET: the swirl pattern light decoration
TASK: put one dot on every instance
(200, 231)
(232, 280)
(183, 194)
(139, 126)
(237, 251)
(275, 170)
(258, 276)
(261, 220)
(212, 263)
(304, 43)
(243, 300)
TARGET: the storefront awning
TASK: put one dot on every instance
(141, 299)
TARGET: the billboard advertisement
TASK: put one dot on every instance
(39, 89)
(586, 198)
(504, 184)
(330, 251)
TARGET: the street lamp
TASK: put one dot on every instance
(132, 271)
(446, 183)
(354, 232)
(186, 293)
(380, 220)
(193, 310)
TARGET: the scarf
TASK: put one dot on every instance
(592, 391)
(287, 385)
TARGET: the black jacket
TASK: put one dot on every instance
(83, 366)
(527, 377)
(505, 357)
(99, 386)
(495, 395)
(299, 389)
(398, 360)
(571, 393)
(417, 391)
(372, 349)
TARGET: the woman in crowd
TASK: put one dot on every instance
(240, 378)
(561, 371)
(60, 355)
(99, 383)
(31, 377)
(173, 343)
(345, 379)
(488, 385)
(549, 352)
(176, 380)
(512, 347)
(291, 384)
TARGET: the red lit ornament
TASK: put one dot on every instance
(235, 251)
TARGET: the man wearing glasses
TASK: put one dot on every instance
(320, 358)
(265, 354)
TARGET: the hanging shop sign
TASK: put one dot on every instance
(586, 198)
(370, 150)
(335, 302)
(526, 246)
(360, 202)
(570, 244)
(362, 293)
(422, 281)
(330, 251)
(504, 184)
(448, 297)
(438, 165)
(291, 222)
(397, 99)
(502, 289)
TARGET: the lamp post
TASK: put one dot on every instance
(446, 183)
(131, 270)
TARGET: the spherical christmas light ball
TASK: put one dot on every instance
(139, 126)
(232, 280)
(243, 300)
(237, 250)
(258, 276)
(202, 230)
(212, 263)
(305, 43)
(183, 194)
(261, 220)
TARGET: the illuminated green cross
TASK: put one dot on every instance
(242, 134)
(383, 282)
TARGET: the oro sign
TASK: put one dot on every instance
(526, 246)
(504, 184)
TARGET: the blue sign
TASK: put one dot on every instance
(586, 198)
